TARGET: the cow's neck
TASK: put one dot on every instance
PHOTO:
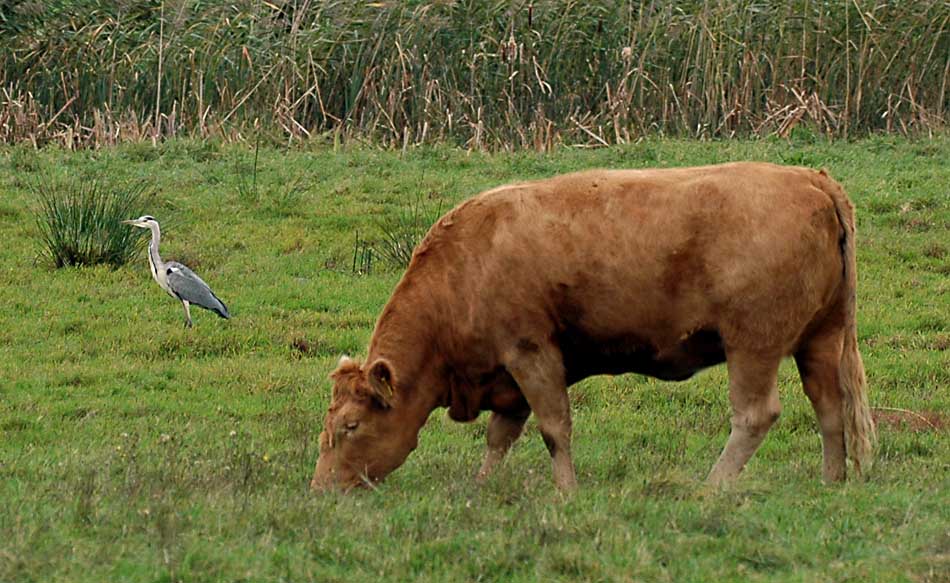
(405, 337)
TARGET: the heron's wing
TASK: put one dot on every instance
(186, 284)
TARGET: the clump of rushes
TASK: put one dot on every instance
(362, 256)
(399, 233)
(403, 230)
(78, 221)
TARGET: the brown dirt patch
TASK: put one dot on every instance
(300, 346)
(906, 420)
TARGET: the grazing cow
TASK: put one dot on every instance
(526, 289)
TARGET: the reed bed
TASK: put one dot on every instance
(480, 74)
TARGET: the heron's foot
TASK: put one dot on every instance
(187, 324)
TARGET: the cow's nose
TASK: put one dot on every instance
(320, 485)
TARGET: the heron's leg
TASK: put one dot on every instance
(187, 307)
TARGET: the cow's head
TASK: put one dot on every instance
(365, 435)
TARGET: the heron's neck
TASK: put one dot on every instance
(154, 259)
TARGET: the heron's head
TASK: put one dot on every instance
(366, 434)
(143, 222)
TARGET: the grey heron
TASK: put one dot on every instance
(180, 282)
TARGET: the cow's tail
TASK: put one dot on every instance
(858, 424)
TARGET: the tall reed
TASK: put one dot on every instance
(481, 74)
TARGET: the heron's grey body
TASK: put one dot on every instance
(176, 279)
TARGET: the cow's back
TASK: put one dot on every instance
(743, 253)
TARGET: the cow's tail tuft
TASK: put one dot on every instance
(858, 424)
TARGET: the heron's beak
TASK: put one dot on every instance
(128, 222)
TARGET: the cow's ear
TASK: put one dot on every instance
(382, 381)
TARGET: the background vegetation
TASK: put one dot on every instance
(134, 450)
(481, 74)
(79, 221)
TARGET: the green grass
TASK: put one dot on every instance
(134, 450)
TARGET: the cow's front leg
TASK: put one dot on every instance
(503, 431)
(539, 372)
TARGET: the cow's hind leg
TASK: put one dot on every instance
(503, 431)
(818, 361)
(540, 375)
(755, 407)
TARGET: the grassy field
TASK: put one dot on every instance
(132, 449)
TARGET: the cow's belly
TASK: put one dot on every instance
(585, 356)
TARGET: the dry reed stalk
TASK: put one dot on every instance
(486, 75)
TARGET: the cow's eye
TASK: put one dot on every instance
(351, 426)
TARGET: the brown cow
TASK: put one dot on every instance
(526, 289)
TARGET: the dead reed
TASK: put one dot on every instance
(490, 74)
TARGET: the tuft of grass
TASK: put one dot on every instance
(363, 255)
(79, 222)
(24, 159)
(247, 178)
(401, 231)
(281, 198)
